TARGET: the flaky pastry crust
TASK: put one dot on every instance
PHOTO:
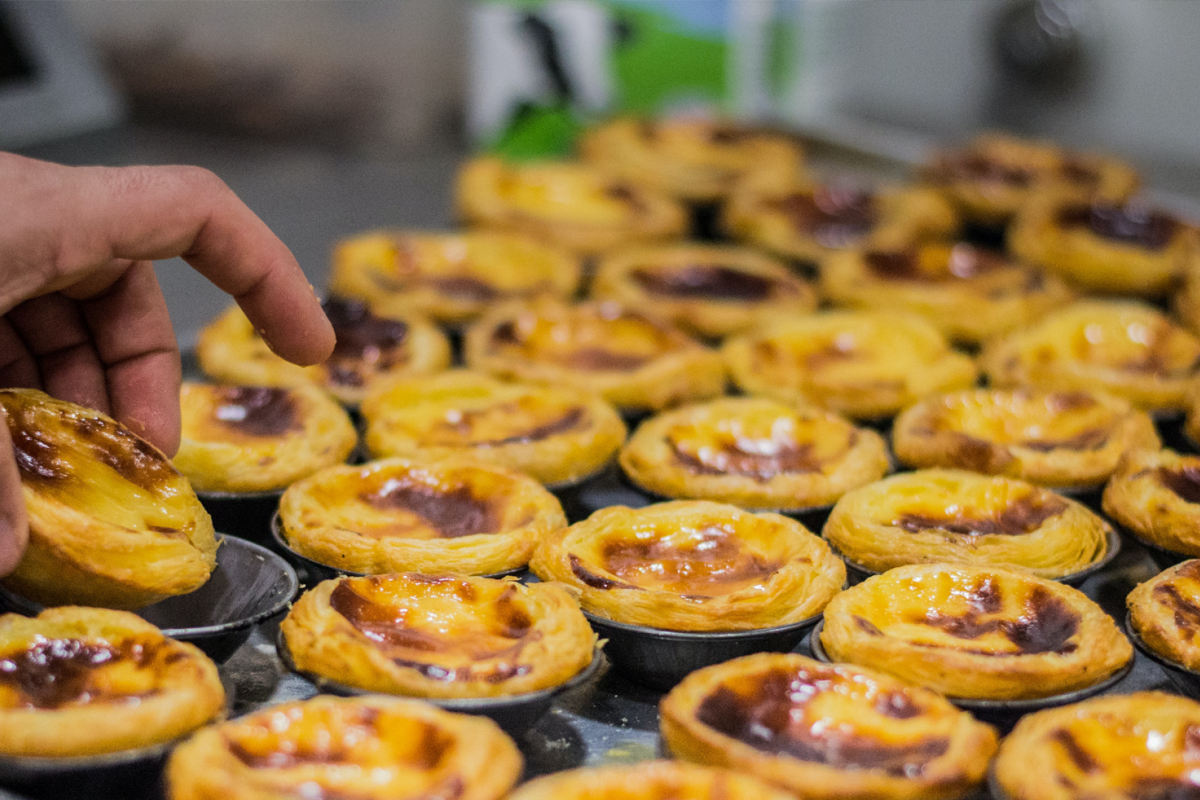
(692, 566)
(1156, 495)
(1165, 612)
(753, 452)
(1068, 439)
(649, 780)
(368, 748)
(958, 517)
(557, 434)
(111, 522)
(975, 632)
(455, 515)
(826, 731)
(85, 681)
(438, 636)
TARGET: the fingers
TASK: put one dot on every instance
(56, 336)
(18, 369)
(14, 526)
(131, 331)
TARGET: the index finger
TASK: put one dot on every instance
(152, 213)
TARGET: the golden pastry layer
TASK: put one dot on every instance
(367, 748)
(111, 522)
(449, 277)
(633, 361)
(692, 159)
(969, 294)
(556, 434)
(439, 636)
(458, 515)
(258, 438)
(994, 175)
(580, 207)
(693, 566)
(753, 452)
(862, 364)
(707, 290)
(1156, 495)
(1165, 612)
(956, 517)
(975, 632)
(649, 780)
(1186, 303)
(806, 221)
(1140, 745)
(86, 681)
(826, 731)
(1057, 439)
(372, 342)
(1105, 247)
(1125, 348)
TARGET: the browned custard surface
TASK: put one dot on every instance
(708, 281)
(1132, 224)
(54, 673)
(365, 342)
(250, 412)
(834, 216)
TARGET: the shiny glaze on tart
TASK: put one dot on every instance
(692, 566)
(84, 681)
(439, 636)
(862, 364)
(633, 360)
(953, 516)
(1051, 438)
(368, 748)
(1124, 348)
(111, 522)
(975, 632)
(1156, 496)
(1165, 612)
(826, 731)
(648, 780)
(556, 434)
(458, 515)
(753, 452)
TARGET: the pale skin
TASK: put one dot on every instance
(82, 316)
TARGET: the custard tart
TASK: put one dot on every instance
(574, 205)
(993, 176)
(1165, 612)
(458, 515)
(709, 291)
(258, 438)
(450, 277)
(753, 452)
(1140, 745)
(806, 222)
(367, 748)
(968, 293)
(111, 522)
(1106, 247)
(826, 731)
(862, 364)
(634, 361)
(559, 435)
(957, 517)
(1156, 496)
(1068, 439)
(1125, 348)
(649, 780)
(975, 632)
(698, 160)
(86, 681)
(371, 343)
(692, 566)
(439, 636)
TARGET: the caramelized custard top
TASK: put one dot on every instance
(365, 342)
(519, 421)
(835, 216)
(255, 410)
(56, 673)
(704, 281)
(1181, 593)
(1018, 517)
(936, 263)
(1129, 224)
(1183, 481)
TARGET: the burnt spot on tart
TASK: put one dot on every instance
(706, 281)
(437, 650)
(769, 712)
(462, 426)
(756, 458)
(1046, 623)
(1089, 439)
(589, 578)
(1075, 752)
(963, 262)
(1131, 224)
(1185, 607)
(465, 287)
(365, 342)
(451, 512)
(1183, 482)
(835, 216)
(53, 673)
(1018, 518)
(256, 410)
(975, 167)
(569, 349)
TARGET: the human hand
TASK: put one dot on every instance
(81, 312)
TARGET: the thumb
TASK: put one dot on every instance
(14, 525)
